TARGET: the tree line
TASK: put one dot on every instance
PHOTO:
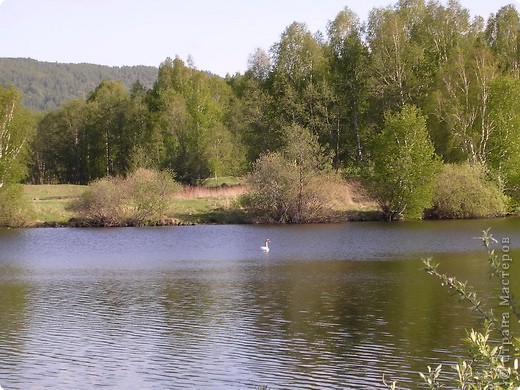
(45, 86)
(416, 86)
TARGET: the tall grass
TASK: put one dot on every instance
(193, 192)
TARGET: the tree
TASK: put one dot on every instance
(503, 36)
(403, 166)
(393, 59)
(504, 146)
(349, 60)
(58, 149)
(460, 103)
(299, 86)
(437, 31)
(259, 64)
(189, 108)
(144, 141)
(250, 117)
(295, 185)
(108, 140)
(16, 129)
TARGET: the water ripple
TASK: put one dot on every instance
(125, 320)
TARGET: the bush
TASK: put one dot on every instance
(14, 208)
(464, 191)
(279, 193)
(296, 185)
(403, 166)
(149, 194)
(139, 199)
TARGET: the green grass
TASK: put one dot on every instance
(54, 192)
(212, 203)
(207, 210)
(193, 206)
(49, 202)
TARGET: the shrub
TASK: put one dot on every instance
(14, 208)
(271, 190)
(149, 194)
(464, 191)
(101, 203)
(294, 186)
(142, 198)
(278, 194)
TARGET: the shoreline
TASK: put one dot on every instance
(353, 218)
(49, 206)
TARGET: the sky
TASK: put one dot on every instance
(219, 35)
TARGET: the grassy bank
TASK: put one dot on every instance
(49, 202)
(193, 205)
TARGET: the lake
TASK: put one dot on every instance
(333, 306)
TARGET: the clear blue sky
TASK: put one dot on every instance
(218, 34)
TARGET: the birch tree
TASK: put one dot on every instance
(461, 103)
(349, 61)
(300, 89)
(503, 36)
(504, 146)
(394, 58)
(15, 129)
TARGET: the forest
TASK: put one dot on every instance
(419, 103)
(45, 86)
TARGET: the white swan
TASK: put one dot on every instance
(266, 247)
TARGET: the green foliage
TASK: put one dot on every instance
(460, 103)
(16, 130)
(189, 107)
(57, 151)
(464, 191)
(295, 186)
(301, 91)
(395, 57)
(14, 208)
(404, 166)
(109, 142)
(504, 143)
(349, 59)
(249, 116)
(46, 86)
(461, 74)
(503, 33)
(109, 134)
(140, 199)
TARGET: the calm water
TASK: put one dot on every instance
(330, 307)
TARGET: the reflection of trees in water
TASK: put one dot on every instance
(360, 315)
(13, 319)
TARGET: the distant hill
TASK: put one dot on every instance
(46, 85)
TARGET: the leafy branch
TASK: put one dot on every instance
(487, 366)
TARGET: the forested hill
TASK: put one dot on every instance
(46, 85)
